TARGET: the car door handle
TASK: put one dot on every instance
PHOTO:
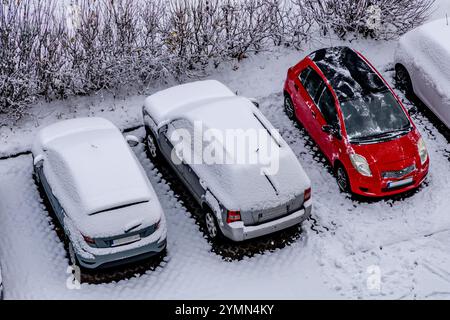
(296, 87)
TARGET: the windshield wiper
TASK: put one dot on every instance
(381, 135)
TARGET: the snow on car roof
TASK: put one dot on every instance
(91, 166)
(348, 74)
(165, 102)
(238, 186)
(430, 45)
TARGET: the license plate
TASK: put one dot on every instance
(395, 184)
(122, 241)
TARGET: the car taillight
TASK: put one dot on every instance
(307, 194)
(89, 240)
(233, 216)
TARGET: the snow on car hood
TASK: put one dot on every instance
(392, 152)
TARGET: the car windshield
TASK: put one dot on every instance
(375, 115)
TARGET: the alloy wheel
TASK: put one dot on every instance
(211, 226)
(342, 179)
(151, 146)
(288, 107)
(72, 256)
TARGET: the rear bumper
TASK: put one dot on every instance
(98, 261)
(237, 231)
(377, 187)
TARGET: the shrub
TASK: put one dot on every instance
(50, 50)
(379, 19)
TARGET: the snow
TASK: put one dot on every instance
(429, 48)
(404, 241)
(425, 52)
(166, 103)
(404, 238)
(241, 185)
(91, 171)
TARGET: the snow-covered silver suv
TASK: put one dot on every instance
(99, 193)
(258, 188)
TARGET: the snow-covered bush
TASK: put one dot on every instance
(205, 31)
(379, 19)
(53, 49)
(291, 23)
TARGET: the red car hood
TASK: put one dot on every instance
(393, 154)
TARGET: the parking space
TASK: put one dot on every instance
(402, 240)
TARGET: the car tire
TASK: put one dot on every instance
(211, 226)
(289, 107)
(71, 252)
(73, 261)
(403, 79)
(36, 177)
(150, 142)
(342, 179)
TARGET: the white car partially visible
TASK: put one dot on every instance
(99, 192)
(422, 65)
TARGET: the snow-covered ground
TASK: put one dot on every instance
(340, 253)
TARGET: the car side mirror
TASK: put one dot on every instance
(133, 141)
(332, 130)
(254, 101)
(38, 161)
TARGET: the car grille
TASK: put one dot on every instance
(399, 173)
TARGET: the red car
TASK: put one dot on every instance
(357, 121)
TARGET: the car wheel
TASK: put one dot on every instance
(212, 228)
(36, 177)
(72, 256)
(403, 80)
(151, 143)
(342, 179)
(289, 107)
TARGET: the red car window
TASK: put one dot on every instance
(327, 107)
(312, 84)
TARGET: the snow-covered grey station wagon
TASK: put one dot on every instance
(99, 192)
(240, 200)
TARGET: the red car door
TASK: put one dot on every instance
(311, 86)
(298, 92)
(326, 123)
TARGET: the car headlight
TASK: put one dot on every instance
(422, 149)
(361, 165)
